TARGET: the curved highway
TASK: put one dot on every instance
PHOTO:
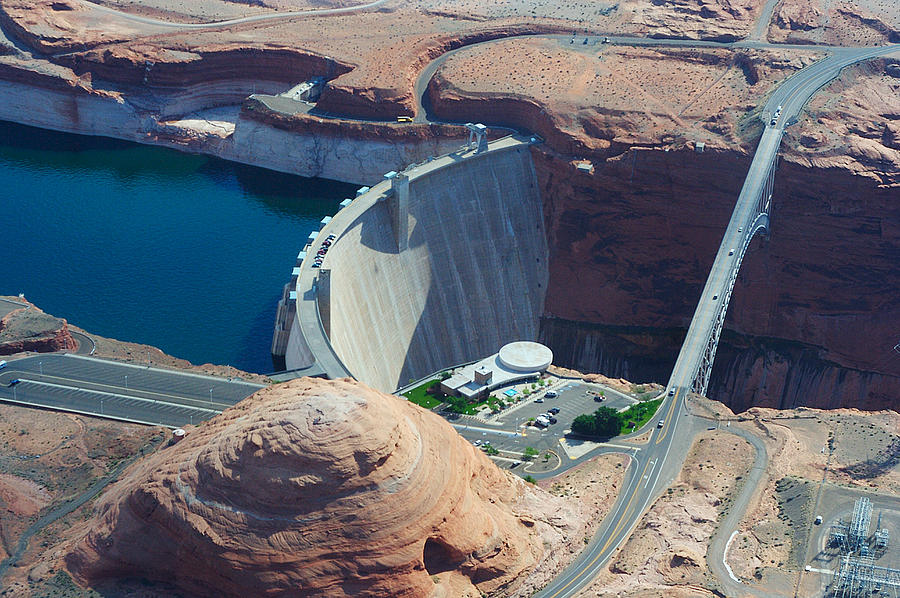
(718, 545)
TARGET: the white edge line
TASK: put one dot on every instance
(725, 557)
(89, 414)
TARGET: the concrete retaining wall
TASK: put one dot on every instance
(473, 277)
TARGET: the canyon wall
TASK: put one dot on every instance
(216, 125)
(813, 317)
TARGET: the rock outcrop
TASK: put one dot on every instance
(29, 329)
(318, 488)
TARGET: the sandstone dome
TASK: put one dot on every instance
(315, 488)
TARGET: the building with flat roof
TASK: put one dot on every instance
(515, 362)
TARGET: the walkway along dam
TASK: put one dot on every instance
(437, 265)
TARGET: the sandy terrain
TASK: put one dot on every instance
(666, 554)
(47, 459)
(181, 11)
(859, 450)
(612, 95)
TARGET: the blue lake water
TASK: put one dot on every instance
(187, 253)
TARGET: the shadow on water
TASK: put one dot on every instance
(249, 357)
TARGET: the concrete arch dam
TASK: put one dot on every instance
(438, 265)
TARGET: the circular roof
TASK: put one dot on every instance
(525, 356)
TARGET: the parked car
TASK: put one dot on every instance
(553, 410)
(598, 398)
(552, 419)
(551, 394)
(539, 400)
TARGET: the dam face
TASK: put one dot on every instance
(444, 274)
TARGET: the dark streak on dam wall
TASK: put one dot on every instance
(472, 277)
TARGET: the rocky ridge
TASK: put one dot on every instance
(27, 328)
(326, 487)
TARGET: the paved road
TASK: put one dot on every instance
(653, 468)
(239, 21)
(116, 390)
(716, 555)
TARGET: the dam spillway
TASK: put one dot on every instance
(441, 269)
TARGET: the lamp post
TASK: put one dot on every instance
(126, 381)
(41, 365)
(210, 398)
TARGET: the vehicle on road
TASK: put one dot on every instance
(818, 520)
(671, 392)
(2, 364)
(660, 423)
(404, 119)
(731, 252)
(605, 40)
(551, 394)
(14, 382)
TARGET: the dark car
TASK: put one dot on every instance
(598, 398)
(553, 420)
(14, 382)
(553, 410)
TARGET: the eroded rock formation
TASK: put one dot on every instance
(321, 489)
(29, 329)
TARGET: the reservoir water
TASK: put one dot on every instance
(144, 244)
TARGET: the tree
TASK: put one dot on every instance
(605, 422)
(584, 425)
(530, 453)
(530, 479)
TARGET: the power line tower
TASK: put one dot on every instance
(858, 575)
(858, 535)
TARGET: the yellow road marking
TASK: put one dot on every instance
(611, 536)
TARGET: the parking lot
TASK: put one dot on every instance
(509, 433)
(574, 399)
